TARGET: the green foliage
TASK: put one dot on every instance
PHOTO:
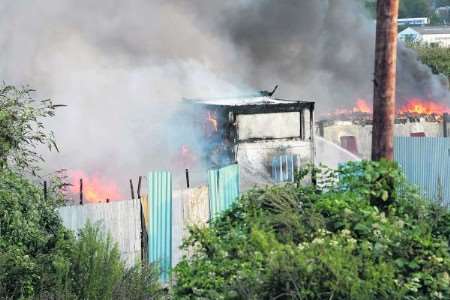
(33, 243)
(97, 272)
(369, 237)
(40, 258)
(438, 59)
(414, 8)
(22, 128)
(95, 264)
(139, 282)
(377, 181)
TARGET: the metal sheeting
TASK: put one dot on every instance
(121, 219)
(426, 163)
(284, 167)
(189, 207)
(195, 206)
(223, 188)
(160, 225)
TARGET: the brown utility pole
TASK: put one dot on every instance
(385, 81)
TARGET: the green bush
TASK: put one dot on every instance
(369, 237)
(34, 245)
(97, 272)
(438, 59)
(39, 258)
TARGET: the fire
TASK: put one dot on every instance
(362, 106)
(212, 120)
(95, 188)
(423, 107)
(187, 158)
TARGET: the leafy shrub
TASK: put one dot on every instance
(40, 258)
(348, 242)
(22, 128)
(438, 59)
(95, 264)
(33, 243)
(139, 282)
(97, 272)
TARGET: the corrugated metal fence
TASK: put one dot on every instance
(160, 221)
(122, 219)
(426, 163)
(223, 188)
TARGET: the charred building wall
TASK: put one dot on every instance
(253, 131)
(356, 136)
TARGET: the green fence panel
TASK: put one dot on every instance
(223, 188)
(160, 223)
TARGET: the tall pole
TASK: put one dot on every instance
(131, 189)
(385, 81)
(81, 191)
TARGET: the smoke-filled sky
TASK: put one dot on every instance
(123, 66)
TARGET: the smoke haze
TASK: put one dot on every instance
(122, 67)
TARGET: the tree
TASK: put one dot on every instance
(22, 128)
(34, 246)
(414, 8)
(39, 258)
(438, 59)
(440, 3)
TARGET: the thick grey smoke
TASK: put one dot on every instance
(320, 50)
(122, 67)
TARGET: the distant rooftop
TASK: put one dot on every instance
(433, 30)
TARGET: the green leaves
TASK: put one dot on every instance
(39, 258)
(438, 59)
(367, 235)
(30, 238)
(22, 128)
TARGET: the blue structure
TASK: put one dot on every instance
(426, 164)
(160, 222)
(284, 167)
(223, 188)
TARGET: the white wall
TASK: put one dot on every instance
(270, 125)
(363, 134)
(443, 40)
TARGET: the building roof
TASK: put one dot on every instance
(245, 101)
(432, 30)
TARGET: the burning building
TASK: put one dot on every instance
(259, 132)
(352, 129)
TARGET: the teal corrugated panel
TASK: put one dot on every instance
(223, 188)
(284, 167)
(426, 164)
(160, 223)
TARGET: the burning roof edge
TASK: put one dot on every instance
(250, 100)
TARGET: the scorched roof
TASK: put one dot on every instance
(245, 101)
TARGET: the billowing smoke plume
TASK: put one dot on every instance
(122, 67)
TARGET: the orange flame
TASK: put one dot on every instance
(423, 107)
(212, 120)
(95, 188)
(187, 158)
(362, 106)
